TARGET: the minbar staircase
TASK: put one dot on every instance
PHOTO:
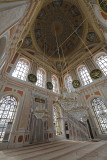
(58, 150)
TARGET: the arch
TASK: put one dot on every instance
(8, 108)
(101, 61)
(2, 46)
(41, 77)
(84, 75)
(55, 84)
(100, 111)
(68, 83)
(21, 70)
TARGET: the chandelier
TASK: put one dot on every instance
(69, 100)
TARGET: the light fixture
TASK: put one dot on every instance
(69, 100)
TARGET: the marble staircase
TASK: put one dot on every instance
(58, 150)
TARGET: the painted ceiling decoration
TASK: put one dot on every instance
(55, 22)
(103, 5)
(19, 44)
(91, 36)
(60, 32)
(27, 42)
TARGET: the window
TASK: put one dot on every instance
(55, 84)
(84, 76)
(41, 78)
(68, 83)
(22, 69)
(8, 106)
(100, 111)
(102, 63)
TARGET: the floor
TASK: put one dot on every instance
(58, 150)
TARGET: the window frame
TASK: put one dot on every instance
(16, 63)
(102, 54)
(15, 112)
(87, 80)
(97, 116)
(43, 84)
(57, 83)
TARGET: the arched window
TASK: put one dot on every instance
(84, 75)
(8, 107)
(68, 83)
(22, 69)
(102, 63)
(100, 111)
(55, 84)
(41, 78)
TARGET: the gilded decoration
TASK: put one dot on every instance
(90, 37)
(49, 85)
(103, 5)
(27, 42)
(19, 44)
(76, 83)
(95, 74)
(58, 19)
(32, 78)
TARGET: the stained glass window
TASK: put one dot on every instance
(55, 84)
(102, 63)
(41, 78)
(100, 111)
(68, 83)
(8, 106)
(22, 69)
(84, 76)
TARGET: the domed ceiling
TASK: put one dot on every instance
(58, 29)
(62, 33)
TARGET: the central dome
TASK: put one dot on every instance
(58, 24)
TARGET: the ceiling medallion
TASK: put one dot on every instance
(95, 74)
(103, 5)
(76, 83)
(32, 78)
(49, 85)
